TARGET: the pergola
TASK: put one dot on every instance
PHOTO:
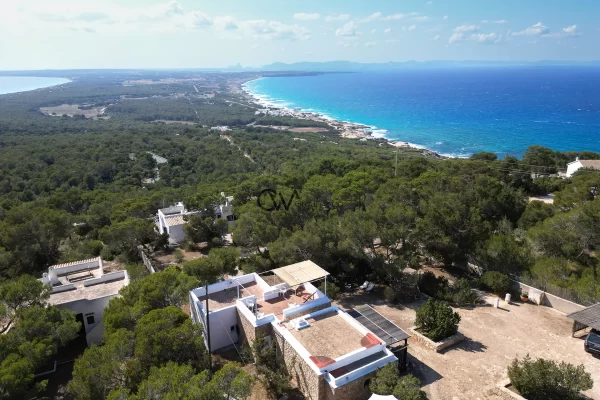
(297, 274)
(587, 318)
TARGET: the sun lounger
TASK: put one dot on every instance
(364, 285)
(370, 287)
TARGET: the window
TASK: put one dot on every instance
(90, 318)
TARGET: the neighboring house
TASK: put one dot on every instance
(85, 288)
(330, 354)
(171, 219)
(576, 165)
(225, 209)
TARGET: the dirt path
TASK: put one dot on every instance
(230, 140)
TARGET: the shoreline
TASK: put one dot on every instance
(345, 129)
(37, 88)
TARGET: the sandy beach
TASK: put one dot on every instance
(349, 130)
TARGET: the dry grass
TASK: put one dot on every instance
(72, 110)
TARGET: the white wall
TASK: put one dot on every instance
(84, 307)
(77, 267)
(572, 167)
(221, 322)
(176, 233)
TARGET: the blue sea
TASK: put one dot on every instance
(456, 111)
(14, 84)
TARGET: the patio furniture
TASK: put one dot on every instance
(370, 287)
(364, 285)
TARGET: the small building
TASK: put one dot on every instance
(171, 220)
(85, 288)
(225, 208)
(585, 320)
(578, 164)
(330, 354)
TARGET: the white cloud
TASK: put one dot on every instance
(274, 30)
(393, 17)
(370, 44)
(392, 41)
(485, 38)
(348, 30)
(337, 17)
(534, 30)
(414, 14)
(255, 46)
(343, 44)
(500, 21)
(466, 28)
(226, 23)
(484, 21)
(373, 31)
(457, 37)
(445, 17)
(436, 37)
(388, 30)
(307, 17)
(423, 18)
(373, 17)
(409, 28)
(568, 32)
(429, 3)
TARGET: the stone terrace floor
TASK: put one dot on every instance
(494, 338)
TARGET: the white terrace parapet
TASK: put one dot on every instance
(345, 359)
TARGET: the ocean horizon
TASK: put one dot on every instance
(16, 84)
(455, 111)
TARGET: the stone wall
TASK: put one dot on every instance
(437, 346)
(308, 381)
(357, 389)
(248, 332)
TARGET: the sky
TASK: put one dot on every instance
(68, 34)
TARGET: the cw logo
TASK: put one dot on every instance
(270, 200)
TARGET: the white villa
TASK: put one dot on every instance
(171, 219)
(576, 165)
(85, 288)
(331, 355)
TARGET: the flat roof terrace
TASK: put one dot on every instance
(330, 336)
(88, 292)
(228, 297)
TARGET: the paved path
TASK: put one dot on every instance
(495, 338)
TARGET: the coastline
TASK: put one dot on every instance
(345, 129)
(37, 88)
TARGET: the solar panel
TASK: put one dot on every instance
(378, 324)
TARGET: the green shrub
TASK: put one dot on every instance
(387, 381)
(495, 281)
(462, 293)
(390, 295)
(93, 247)
(547, 380)
(431, 284)
(437, 320)
(178, 254)
(333, 291)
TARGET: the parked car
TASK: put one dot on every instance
(592, 342)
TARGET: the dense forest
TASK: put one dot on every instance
(73, 188)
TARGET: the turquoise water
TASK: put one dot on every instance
(14, 84)
(458, 111)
